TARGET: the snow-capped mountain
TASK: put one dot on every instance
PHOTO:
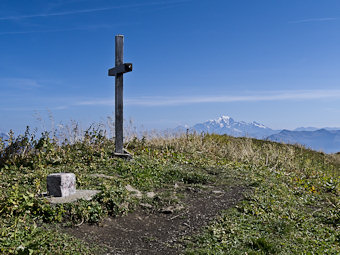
(227, 125)
(326, 139)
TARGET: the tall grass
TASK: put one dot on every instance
(248, 150)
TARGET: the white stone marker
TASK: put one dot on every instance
(61, 184)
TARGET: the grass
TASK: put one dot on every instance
(293, 206)
(282, 215)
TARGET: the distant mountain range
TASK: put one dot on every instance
(3, 135)
(326, 139)
(227, 125)
(314, 128)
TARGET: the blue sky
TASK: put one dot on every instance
(275, 62)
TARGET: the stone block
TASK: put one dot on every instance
(80, 194)
(61, 184)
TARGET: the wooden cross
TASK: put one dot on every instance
(118, 72)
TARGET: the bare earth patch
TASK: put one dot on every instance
(148, 231)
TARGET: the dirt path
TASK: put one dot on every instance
(153, 232)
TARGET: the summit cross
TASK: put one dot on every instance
(118, 72)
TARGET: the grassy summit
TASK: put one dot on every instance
(291, 206)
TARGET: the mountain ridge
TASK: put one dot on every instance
(3, 135)
(227, 125)
(315, 128)
(323, 139)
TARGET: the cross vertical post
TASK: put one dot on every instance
(118, 72)
(119, 96)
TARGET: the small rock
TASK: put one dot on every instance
(102, 176)
(192, 189)
(135, 192)
(124, 205)
(217, 192)
(151, 194)
(20, 248)
(145, 205)
(168, 210)
(171, 209)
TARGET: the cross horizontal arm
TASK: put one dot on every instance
(123, 68)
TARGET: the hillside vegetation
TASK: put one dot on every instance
(291, 207)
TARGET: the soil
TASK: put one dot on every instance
(149, 231)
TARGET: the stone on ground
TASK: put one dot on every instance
(151, 194)
(61, 188)
(134, 192)
(79, 194)
(61, 184)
